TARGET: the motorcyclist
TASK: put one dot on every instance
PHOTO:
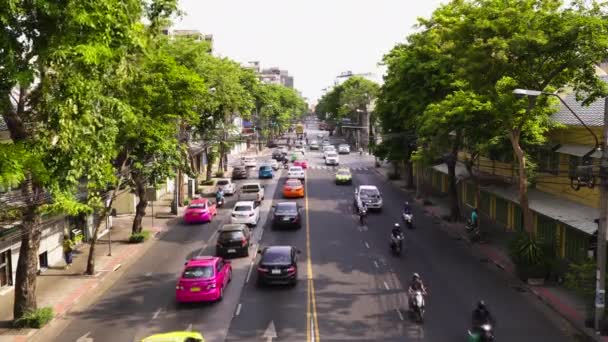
(481, 315)
(362, 212)
(407, 209)
(474, 218)
(415, 285)
(219, 194)
(396, 231)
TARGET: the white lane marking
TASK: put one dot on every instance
(249, 272)
(157, 313)
(312, 330)
(367, 245)
(85, 338)
(399, 313)
(148, 274)
(238, 310)
(116, 267)
(386, 286)
(376, 264)
(189, 328)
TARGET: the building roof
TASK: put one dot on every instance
(592, 115)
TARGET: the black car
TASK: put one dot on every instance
(278, 155)
(278, 265)
(240, 172)
(272, 144)
(233, 239)
(287, 214)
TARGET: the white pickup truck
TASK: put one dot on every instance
(251, 192)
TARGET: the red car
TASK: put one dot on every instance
(302, 163)
(204, 279)
(200, 210)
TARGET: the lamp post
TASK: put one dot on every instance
(603, 223)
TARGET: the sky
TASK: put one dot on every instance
(315, 40)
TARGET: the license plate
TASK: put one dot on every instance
(232, 250)
(195, 289)
(285, 218)
(276, 272)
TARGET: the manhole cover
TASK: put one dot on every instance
(518, 288)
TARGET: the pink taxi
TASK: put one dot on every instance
(204, 279)
(302, 163)
(200, 210)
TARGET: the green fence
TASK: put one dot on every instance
(502, 211)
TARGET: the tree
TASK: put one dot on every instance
(532, 44)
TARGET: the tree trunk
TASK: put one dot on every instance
(140, 209)
(469, 165)
(452, 187)
(409, 174)
(27, 264)
(514, 136)
(102, 218)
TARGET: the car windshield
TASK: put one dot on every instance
(197, 206)
(331, 154)
(265, 168)
(243, 208)
(204, 272)
(369, 192)
(286, 208)
(343, 173)
(280, 257)
(250, 188)
(231, 235)
(223, 182)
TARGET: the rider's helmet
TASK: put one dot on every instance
(407, 203)
(481, 305)
(415, 276)
(396, 225)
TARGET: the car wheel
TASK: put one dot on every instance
(245, 253)
(221, 296)
(230, 276)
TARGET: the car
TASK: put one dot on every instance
(283, 149)
(245, 212)
(233, 239)
(314, 145)
(293, 188)
(343, 149)
(368, 195)
(200, 210)
(301, 162)
(203, 279)
(273, 163)
(299, 150)
(265, 171)
(287, 214)
(296, 155)
(251, 192)
(344, 176)
(271, 144)
(328, 148)
(320, 135)
(240, 172)
(278, 154)
(249, 161)
(278, 265)
(176, 336)
(325, 143)
(226, 185)
(331, 158)
(296, 172)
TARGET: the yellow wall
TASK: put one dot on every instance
(575, 135)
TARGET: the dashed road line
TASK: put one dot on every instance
(249, 272)
(238, 310)
(376, 264)
(386, 285)
(155, 316)
(399, 314)
(367, 245)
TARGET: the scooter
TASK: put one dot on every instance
(220, 202)
(483, 333)
(362, 216)
(417, 305)
(408, 218)
(396, 243)
(473, 231)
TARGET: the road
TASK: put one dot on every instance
(350, 287)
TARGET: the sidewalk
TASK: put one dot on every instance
(61, 288)
(495, 249)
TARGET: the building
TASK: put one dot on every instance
(564, 213)
(342, 77)
(273, 75)
(196, 35)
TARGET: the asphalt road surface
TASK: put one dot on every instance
(350, 286)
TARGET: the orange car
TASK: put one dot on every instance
(293, 188)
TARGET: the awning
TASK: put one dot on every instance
(578, 150)
(461, 170)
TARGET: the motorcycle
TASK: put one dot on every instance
(362, 215)
(417, 305)
(408, 218)
(220, 201)
(483, 333)
(473, 231)
(396, 243)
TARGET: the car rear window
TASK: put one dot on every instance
(343, 173)
(265, 168)
(286, 208)
(250, 188)
(332, 154)
(197, 206)
(222, 182)
(293, 183)
(192, 272)
(242, 208)
(276, 257)
(231, 235)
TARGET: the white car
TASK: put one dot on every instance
(272, 163)
(249, 161)
(296, 172)
(227, 186)
(343, 149)
(328, 148)
(368, 195)
(251, 192)
(331, 158)
(245, 212)
(299, 150)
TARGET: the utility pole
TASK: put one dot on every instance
(602, 228)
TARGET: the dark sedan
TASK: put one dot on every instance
(287, 215)
(240, 172)
(278, 265)
(278, 155)
(233, 239)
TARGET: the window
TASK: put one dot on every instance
(548, 161)
(204, 272)
(43, 260)
(219, 266)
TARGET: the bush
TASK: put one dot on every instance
(186, 201)
(35, 319)
(207, 182)
(139, 237)
(532, 257)
(219, 174)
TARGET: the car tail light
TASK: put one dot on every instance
(210, 286)
(244, 242)
(262, 269)
(291, 269)
(179, 287)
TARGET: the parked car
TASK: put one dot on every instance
(240, 172)
(245, 212)
(293, 188)
(301, 162)
(287, 214)
(296, 172)
(233, 239)
(368, 195)
(331, 158)
(204, 279)
(278, 265)
(226, 185)
(344, 176)
(249, 161)
(265, 171)
(343, 149)
(200, 210)
(251, 192)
